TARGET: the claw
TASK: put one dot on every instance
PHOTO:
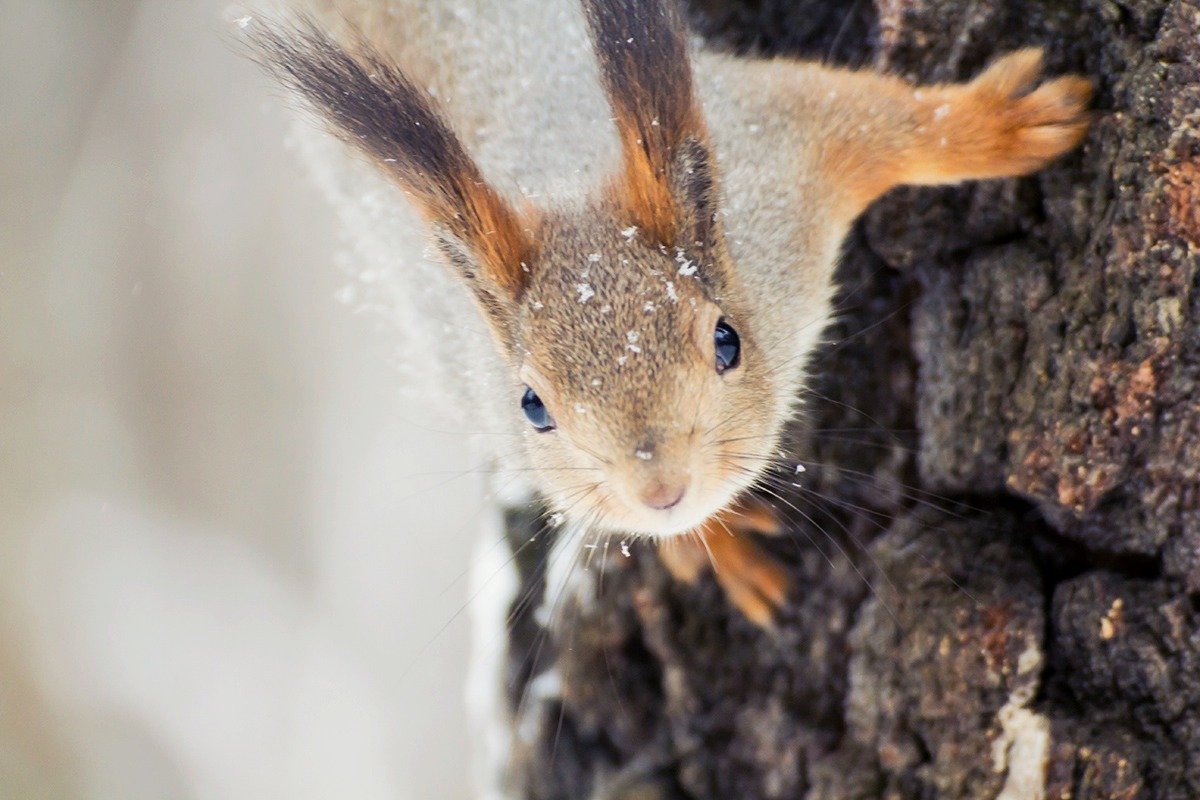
(750, 577)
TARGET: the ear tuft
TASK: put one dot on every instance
(643, 54)
(376, 108)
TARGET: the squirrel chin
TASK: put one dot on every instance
(679, 521)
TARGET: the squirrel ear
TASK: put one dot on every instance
(642, 49)
(694, 189)
(495, 300)
(376, 108)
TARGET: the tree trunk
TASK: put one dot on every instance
(996, 543)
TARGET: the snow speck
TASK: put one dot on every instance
(622, 359)
(556, 519)
(754, 128)
(800, 468)
(594, 257)
(671, 293)
(644, 455)
(631, 339)
(580, 408)
(243, 22)
(649, 307)
(629, 232)
(595, 381)
(687, 268)
(606, 309)
(586, 292)
(537, 305)
(625, 548)
(941, 112)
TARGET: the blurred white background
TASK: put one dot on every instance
(228, 541)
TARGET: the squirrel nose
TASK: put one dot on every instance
(662, 496)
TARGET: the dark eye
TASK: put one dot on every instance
(728, 346)
(535, 411)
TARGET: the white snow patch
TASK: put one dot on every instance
(586, 292)
(494, 586)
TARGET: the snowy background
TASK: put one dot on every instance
(228, 543)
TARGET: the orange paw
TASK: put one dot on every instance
(750, 577)
(1003, 123)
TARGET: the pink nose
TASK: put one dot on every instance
(662, 496)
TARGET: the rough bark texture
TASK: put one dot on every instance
(997, 543)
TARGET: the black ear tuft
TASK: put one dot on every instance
(642, 49)
(376, 108)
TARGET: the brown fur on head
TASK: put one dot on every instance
(617, 340)
(607, 311)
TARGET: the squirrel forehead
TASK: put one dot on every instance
(593, 311)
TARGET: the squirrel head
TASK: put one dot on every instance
(646, 400)
(641, 382)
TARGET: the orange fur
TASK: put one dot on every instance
(642, 189)
(992, 127)
(752, 579)
(498, 234)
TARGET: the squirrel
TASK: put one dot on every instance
(622, 246)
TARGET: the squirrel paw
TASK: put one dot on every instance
(750, 577)
(1015, 125)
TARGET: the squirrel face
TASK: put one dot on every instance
(609, 314)
(640, 377)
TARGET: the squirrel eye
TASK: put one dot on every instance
(535, 411)
(728, 346)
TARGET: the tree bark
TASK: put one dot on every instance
(996, 544)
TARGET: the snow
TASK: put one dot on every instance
(586, 292)
(644, 455)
